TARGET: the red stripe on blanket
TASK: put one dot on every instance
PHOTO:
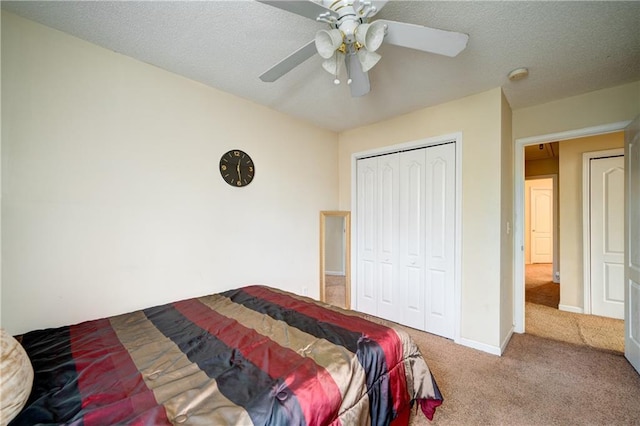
(111, 388)
(312, 385)
(386, 337)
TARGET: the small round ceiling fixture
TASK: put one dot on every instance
(518, 74)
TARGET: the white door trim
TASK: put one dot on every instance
(586, 220)
(518, 255)
(421, 143)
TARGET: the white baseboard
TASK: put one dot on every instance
(337, 273)
(493, 350)
(506, 340)
(570, 308)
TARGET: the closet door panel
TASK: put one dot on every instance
(388, 186)
(366, 266)
(440, 226)
(411, 238)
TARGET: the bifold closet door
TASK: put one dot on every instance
(426, 238)
(405, 237)
(377, 236)
(366, 235)
(440, 195)
(412, 237)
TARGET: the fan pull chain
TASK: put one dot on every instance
(348, 64)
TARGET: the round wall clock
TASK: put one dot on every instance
(237, 168)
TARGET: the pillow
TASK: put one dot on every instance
(16, 377)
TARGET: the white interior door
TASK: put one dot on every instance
(412, 237)
(366, 235)
(405, 266)
(632, 239)
(440, 236)
(389, 305)
(606, 212)
(542, 224)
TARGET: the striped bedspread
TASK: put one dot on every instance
(254, 355)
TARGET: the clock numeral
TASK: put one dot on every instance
(224, 167)
(251, 168)
(239, 183)
(236, 153)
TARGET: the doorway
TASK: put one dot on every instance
(572, 268)
(335, 258)
(541, 280)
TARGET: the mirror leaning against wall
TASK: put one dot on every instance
(335, 258)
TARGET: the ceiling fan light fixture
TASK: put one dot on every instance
(371, 35)
(367, 59)
(327, 42)
(334, 64)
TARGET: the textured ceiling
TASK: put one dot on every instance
(569, 47)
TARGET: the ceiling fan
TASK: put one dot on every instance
(352, 39)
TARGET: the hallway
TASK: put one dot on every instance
(539, 285)
(542, 317)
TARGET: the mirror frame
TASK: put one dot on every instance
(347, 267)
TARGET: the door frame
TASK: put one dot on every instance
(518, 247)
(456, 138)
(586, 220)
(556, 228)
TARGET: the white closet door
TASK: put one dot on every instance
(366, 238)
(412, 238)
(405, 238)
(440, 236)
(388, 209)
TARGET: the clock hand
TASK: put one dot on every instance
(239, 175)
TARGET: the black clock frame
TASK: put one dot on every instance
(237, 168)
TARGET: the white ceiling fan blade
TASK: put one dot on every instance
(359, 80)
(448, 43)
(289, 63)
(306, 8)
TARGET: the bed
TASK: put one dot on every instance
(253, 355)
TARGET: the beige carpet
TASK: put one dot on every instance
(590, 330)
(542, 318)
(537, 381)
(539, 285)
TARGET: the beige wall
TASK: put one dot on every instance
(570, 191)
(601, 107)
(111, 196)
(479, 119)
(547, 166)
(506, 234)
